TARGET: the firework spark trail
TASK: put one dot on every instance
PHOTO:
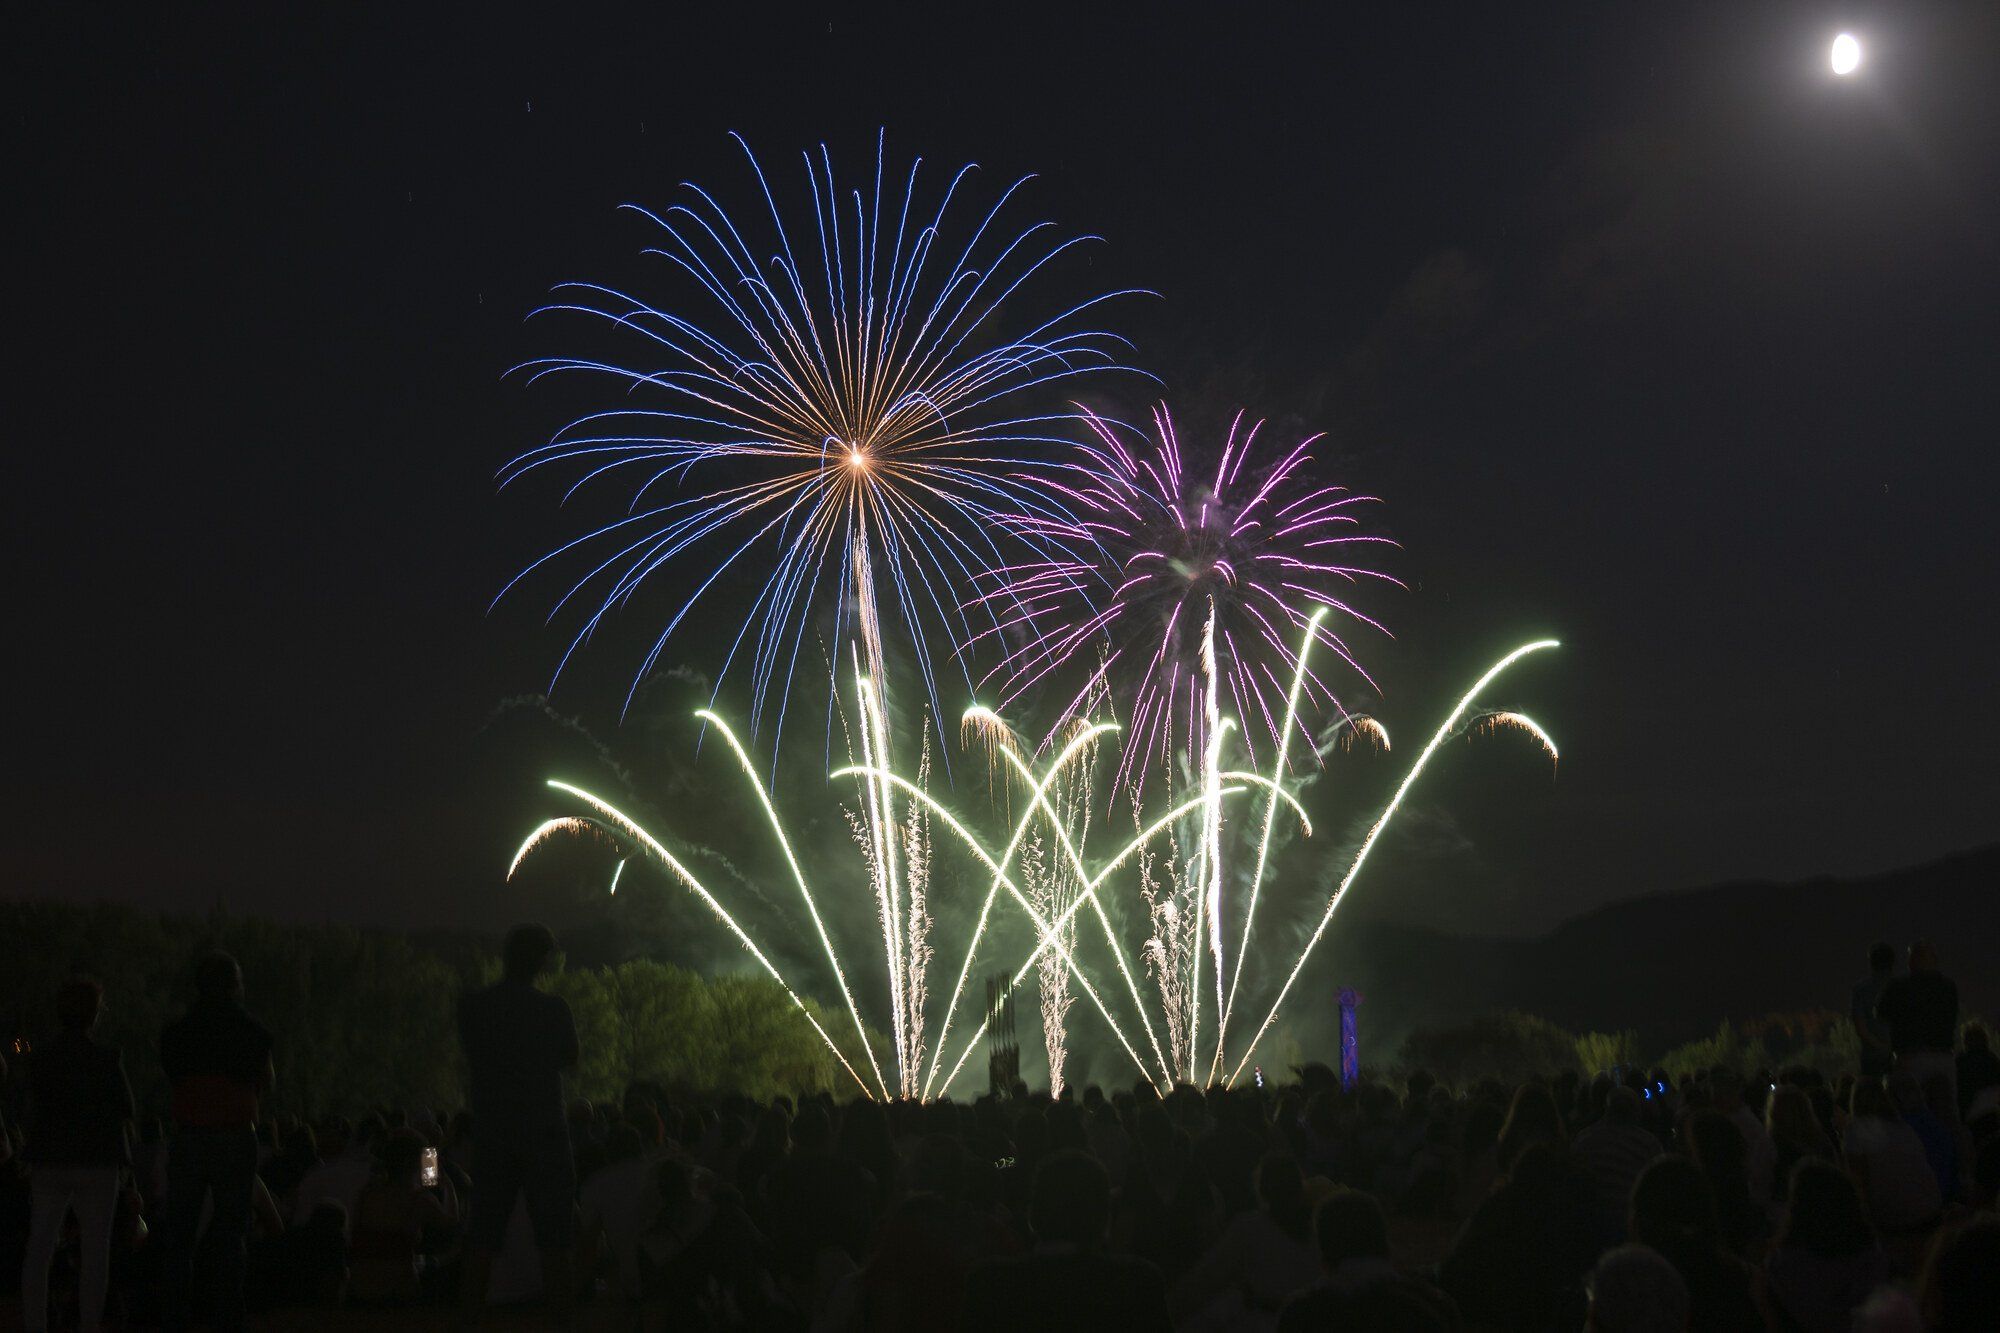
(1170, 913)
(1156, 540)
(871, 832)
(1163, 824)
(1270, 815)
(868, 401)
(1444, 731)
(982, 726)
(799, 878)
(916, 936)
(1051, 884)
(617, 874)
(672, 863)
(1365, 726)
(1039, 800)
(1208, 899)
(1274, 790)
(1006, 881)
(1045, 882)
(882, 843)
(1205, 803)
(545, 830)
(1069, 752)
(1502, 718)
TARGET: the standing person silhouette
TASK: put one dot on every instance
(78, 1107)
(1922, 1012)
(218, 1059)
(1876, 1056)
(518, 1041)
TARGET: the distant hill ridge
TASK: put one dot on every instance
(1672, 965)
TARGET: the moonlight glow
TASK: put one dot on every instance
(1846, 54)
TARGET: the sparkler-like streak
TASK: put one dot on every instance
(1158, 542)
(799, 878)
(1270, 815)
(617, 874)
(1001, 876)
(1039, 800)
(1443, 733)
(1205, 803)
(1048, 939)
(1076, 746)
(1172, 950)
(854, 405)
(671, 862)
(1208, 887)
(917, 925)
(1052, 882)
(882, 858)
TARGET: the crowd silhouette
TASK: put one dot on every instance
(1620, 1200)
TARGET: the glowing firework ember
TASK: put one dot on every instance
(850, 398)
(1356, 729)
(1253, 545)
(1504, 721)
(569, 826)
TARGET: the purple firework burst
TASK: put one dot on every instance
(1161, 548)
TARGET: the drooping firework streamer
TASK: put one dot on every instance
(799, 878)
(1444, 731)
(1502, 719)
(687, 877)
(545, 830)
(1360, 726)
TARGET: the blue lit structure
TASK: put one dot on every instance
(1350, 1052)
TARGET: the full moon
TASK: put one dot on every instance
(1846, 54)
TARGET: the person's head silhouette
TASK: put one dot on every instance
(217, 977)
(78, 1004)
(527, 951)
(1070, 1203)
(1349, 1225)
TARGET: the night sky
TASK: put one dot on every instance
(1652, 335)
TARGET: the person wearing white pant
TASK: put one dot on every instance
(92, 1193)
(78, 1106)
